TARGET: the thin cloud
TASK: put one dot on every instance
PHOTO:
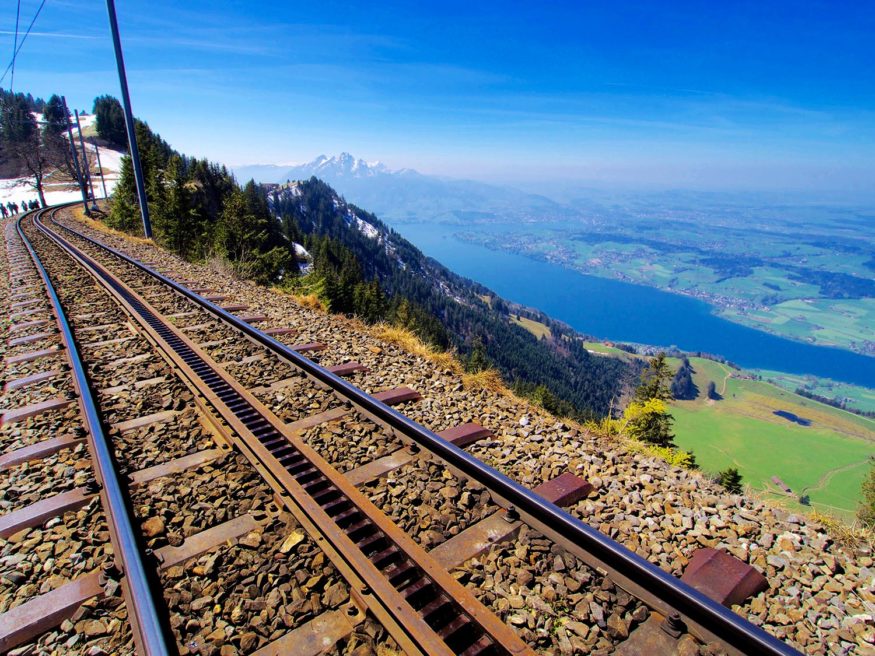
(56, 35)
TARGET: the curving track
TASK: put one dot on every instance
(213, 424)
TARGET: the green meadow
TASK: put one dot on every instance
(826, 460)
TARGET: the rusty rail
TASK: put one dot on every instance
(705, 618)
(142, 607)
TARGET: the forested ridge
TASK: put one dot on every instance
(357, 266)
(557, 371)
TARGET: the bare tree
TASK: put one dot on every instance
(32, 154)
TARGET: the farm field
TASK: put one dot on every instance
(829, 322)
(855, 396)
(826, 456)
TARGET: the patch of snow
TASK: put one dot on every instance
(16, 190)
(86, 120)
(110, 160)
(367, 229)
(305, 261)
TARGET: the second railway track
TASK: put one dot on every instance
(263, 528)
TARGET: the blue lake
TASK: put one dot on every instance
(615, 310)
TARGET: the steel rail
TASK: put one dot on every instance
(142, 608)
(712, 619)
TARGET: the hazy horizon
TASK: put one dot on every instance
(558, 186)
(742, 97)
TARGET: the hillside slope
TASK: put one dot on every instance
(472, 314)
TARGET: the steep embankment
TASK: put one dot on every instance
(820, 595)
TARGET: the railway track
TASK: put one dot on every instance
(45, 378)
(218, 430)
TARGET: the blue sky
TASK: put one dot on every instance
(715, 95)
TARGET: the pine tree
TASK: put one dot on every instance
(731, 480)
(21, 141)
(17, 124)
(655, 381)
(647, 416)
(242, 237)
(175, 226)
(54, 135)
(54, 116)
(111, 121)
(682, 385)
(238, 231)
(124, 210)
(649, 421)
(712, 391)
(477, 359)
(369, 301)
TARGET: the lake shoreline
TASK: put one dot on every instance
(723, 312)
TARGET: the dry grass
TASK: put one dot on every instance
(537, 328)
(849, 535)
(223, 267)
(383, 650)
(100, 226)
(309, 301)
(488, 379)
(412, 344)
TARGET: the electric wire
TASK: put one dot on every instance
(18, 46)
(15, 44)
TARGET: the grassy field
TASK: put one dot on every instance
(856, 397)
(826, 460)
(599, 347)
(537, 328)
(605, 349)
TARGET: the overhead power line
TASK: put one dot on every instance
(18, 46)
(14, 45)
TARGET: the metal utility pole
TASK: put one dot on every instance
(75, 157)
(85, 160)
(129, 120)
(100, 168)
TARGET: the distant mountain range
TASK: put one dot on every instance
(407, 195)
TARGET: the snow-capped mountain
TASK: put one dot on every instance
(407, 195)
(342, 165)
(324, 167)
